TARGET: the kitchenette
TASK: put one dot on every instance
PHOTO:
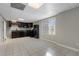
(21, 29)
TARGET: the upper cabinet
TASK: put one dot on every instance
(20, 24)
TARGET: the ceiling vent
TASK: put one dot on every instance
(18, 6)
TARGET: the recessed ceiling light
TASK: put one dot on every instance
(35, 5)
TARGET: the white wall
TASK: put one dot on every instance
(67, 28)
(1, 30)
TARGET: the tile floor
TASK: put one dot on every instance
(33, 47)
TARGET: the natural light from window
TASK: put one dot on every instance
(52, 26)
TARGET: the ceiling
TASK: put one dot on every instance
(30, 15)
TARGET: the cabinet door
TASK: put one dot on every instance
(15, 34)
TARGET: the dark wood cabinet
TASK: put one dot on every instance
(25, 33)
(20, 24)
(21, 33)
(25, 25)
(9, 23)
(15, 34)
(36, 31)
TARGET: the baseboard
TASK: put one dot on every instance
(62, 45)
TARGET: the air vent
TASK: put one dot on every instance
(18, 6)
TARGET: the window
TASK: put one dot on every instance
(52, 26)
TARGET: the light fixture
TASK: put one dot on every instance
(20, 19)
(35, 5)
(14, 21)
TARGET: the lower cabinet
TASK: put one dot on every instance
(27, 33)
